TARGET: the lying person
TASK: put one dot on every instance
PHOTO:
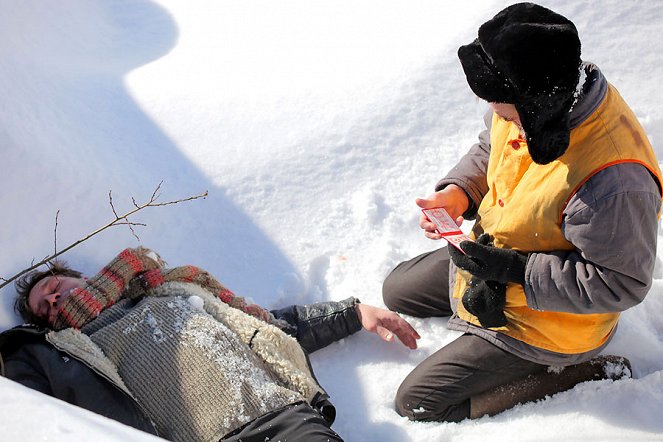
(174, 353)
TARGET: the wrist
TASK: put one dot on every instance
(358, 311)
(516, 271)
(461, 198)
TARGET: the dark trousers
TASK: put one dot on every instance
(442, 386)
(293, 423)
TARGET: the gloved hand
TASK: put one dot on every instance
(486, 301)
(490, 263)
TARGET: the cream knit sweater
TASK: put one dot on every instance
(198, 367)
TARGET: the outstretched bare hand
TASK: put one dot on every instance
(387, 323)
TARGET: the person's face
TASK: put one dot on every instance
(506, 111)
(47, 295)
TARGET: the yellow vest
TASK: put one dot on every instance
(523, 209)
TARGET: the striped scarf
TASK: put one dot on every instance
(130, 275)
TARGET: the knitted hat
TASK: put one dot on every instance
(528, 56)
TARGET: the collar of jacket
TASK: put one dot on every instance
(593, 93)
(15, 337)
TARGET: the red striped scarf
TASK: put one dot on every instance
(131, 274)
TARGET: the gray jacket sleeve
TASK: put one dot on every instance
(317, 325)
(612, 221)
(470, 172)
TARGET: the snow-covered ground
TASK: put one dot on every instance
(314, 126)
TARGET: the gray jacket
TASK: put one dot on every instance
(612, 221)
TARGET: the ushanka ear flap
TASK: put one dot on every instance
(483, 76)
(546, 122)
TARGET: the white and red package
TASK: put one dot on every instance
(446, 226)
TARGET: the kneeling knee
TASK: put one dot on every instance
(423, 409)
(404, 404)
(409, 405)
(392, 292)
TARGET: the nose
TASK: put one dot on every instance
(53, 298)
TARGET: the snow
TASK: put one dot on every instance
(313, 126)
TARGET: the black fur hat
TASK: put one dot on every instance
(528, 56)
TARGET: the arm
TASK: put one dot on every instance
(462, 190)
(470, 172)
(317, 325)
(612, 222)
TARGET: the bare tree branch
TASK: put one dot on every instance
(131, 223)
(110, 201)
(131, 228)
(117, 217)
(55, 233)
(119, 220)
(155, 195)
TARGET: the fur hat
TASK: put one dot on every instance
(528, 56)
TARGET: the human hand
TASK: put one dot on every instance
(490, 263)
(486, 300)
(386, 323)
(452, 198)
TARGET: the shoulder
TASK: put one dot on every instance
(17, 337)
(622, 181)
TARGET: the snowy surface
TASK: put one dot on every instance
(314, 126)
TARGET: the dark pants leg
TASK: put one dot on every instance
(440, 388)
(420, 287)
(293, 423)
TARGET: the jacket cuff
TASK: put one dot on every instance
(320, 324)
(353, 316)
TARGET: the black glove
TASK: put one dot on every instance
(486, 301)
(490, 263)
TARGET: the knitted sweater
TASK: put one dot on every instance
(197, 366)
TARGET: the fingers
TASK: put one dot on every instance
(455, 254)
(437, 199)
(384, 333)
(464, 261)
(430, 230)
(484, 239)
(473, 249)
(386, 324)
(401, 328)
(432, 235)
(426, 224)
(407, 337)
(425, 203)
